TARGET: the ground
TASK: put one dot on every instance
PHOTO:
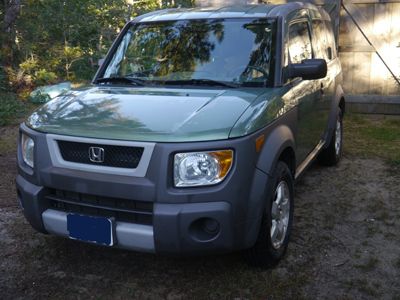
(345, 242)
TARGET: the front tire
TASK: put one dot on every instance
(276, 223)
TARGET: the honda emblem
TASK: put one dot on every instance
(96, 154)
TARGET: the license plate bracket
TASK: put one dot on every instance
(98, 230)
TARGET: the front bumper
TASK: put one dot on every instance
(180, 218)
(129, 236)
(173, 229)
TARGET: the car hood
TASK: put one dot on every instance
(145, 114)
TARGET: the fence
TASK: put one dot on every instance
(369, 49)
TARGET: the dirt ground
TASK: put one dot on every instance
(345, 244)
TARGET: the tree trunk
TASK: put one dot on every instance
(11, 11)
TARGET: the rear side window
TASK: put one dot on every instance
(331, 38)
(323, 41)
(299, 42)
(320, 41)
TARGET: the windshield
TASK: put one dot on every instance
(238, 52)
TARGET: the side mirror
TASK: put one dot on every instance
(100, 61)
(309, 69)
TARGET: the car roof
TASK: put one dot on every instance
(231, 11)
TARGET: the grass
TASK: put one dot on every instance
(373, 136)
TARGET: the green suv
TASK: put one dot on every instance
(191, 135)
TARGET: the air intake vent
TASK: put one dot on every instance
(123, 210)
(102, 155)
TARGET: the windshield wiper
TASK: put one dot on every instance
(129, 80)
(200, 81)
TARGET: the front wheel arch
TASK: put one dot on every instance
(281, 139)
(262, 253)
(279, 146)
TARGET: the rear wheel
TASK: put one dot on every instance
(276, 223)
(331, 155)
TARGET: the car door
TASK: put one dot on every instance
(306, 93)
(322, 46)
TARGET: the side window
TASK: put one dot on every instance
(323, 40)
(299, 42)
(320, 42)
(330, 38)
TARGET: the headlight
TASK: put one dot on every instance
(201, 168)
(27, 146)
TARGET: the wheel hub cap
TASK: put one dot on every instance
(338, 138)
(280, 213)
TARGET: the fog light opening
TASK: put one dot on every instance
(211, 226)
(204, 229)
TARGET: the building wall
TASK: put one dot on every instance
(364, 71)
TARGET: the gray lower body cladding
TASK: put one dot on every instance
(169, 220)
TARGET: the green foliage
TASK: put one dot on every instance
(4, 85)
(10, 108)
(43, 77)
(52, 41)
(29, 65)
(32, 71)
(20, 81)
(63, 40)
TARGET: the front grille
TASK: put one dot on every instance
(114, 156)
(122, 210)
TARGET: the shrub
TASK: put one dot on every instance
(44, 77)
(19, 80)
(29, 65)
(4, 85)
(10, 108)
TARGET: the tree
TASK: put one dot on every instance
(9, 12)
(49, 39)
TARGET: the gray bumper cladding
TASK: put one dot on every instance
(129, 236)
(151, 215)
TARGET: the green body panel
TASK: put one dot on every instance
(155, 114)
(309, 128)
(271, 104)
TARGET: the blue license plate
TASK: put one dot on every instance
(91, 229)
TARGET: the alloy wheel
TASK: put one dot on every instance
(280, 213)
